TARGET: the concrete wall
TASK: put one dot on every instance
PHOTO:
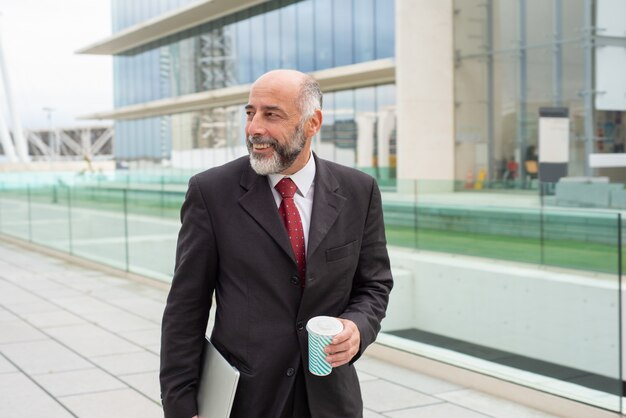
(566, 318)
(425, 89)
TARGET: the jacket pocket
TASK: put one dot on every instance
(337, 253)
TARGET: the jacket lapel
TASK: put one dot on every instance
(258, 201)
(327, 204)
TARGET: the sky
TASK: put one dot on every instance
(40, 38)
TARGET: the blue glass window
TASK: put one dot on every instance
(153, 74)
(345, 127)
(385, 28)
(323, 34)
(306, 40)
(365, 119)
(342, 33)
(308, 35)
(328, 121)
(385, 96)
(244, 52)
(258, 44)
(364, 33)
(230, 59)
(272, 39)
(117, 80)
(288, 58)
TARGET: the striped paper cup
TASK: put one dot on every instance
(321, 331)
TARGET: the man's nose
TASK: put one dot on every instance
(255, 126)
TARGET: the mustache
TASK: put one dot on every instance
(262, 140)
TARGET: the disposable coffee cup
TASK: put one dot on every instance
(321, 331)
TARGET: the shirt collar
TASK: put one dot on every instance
(303, 178)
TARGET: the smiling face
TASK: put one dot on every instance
(278, 140)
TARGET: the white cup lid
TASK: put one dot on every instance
(324, 325)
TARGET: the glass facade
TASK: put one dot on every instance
(356, 128)
(513, 58)
(308, 35)
(126, 13)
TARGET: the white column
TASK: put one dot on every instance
(365, 139)
(386, 123)
(18, 133)
(85, 142)
(425, 89)
(5, 137)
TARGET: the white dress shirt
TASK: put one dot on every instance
(304, 195)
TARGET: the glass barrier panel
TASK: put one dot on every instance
(49, 207)
(518, 280)
(507, 286)
(400, 214)
(153, 225)
(478, 219)
(15, 210)
(98, 225)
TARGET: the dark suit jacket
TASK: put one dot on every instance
(232, 242)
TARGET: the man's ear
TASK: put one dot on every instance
(314, 124)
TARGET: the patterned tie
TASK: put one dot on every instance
(291, 218)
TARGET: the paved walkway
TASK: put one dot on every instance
(76, 342)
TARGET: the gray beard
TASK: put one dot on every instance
(283, 156)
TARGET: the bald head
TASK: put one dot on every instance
(302, 88)
(283, 114)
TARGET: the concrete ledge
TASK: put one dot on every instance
(503, 389)
(169, 23)
(565, 317)
(350, 76)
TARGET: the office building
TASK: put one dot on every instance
(182, 70)
(424, 96)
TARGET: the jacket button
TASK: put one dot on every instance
(290, 372)
(295, 280)
(300, 325)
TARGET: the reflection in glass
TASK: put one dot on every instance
(342, 33)
(258, 45)
(365, 119)
(325, 141)
(305, 37)
(385, 28)
(323, 35)
(498, 96)
(364, 36)
(244, 52)
(345, 128)
(288, 57)
(386, 133)
(309, 35)
(272, 39)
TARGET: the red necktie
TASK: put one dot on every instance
(291, 217)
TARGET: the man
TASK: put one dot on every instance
(234, 241)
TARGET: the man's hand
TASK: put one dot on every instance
(345, 345)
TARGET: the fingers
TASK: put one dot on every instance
(349, 328)
(345, 345)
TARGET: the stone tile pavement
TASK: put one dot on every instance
(77, 342)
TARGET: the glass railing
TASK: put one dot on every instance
(509, 282)
(515, 281)
(133, 229)
(505, 224)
